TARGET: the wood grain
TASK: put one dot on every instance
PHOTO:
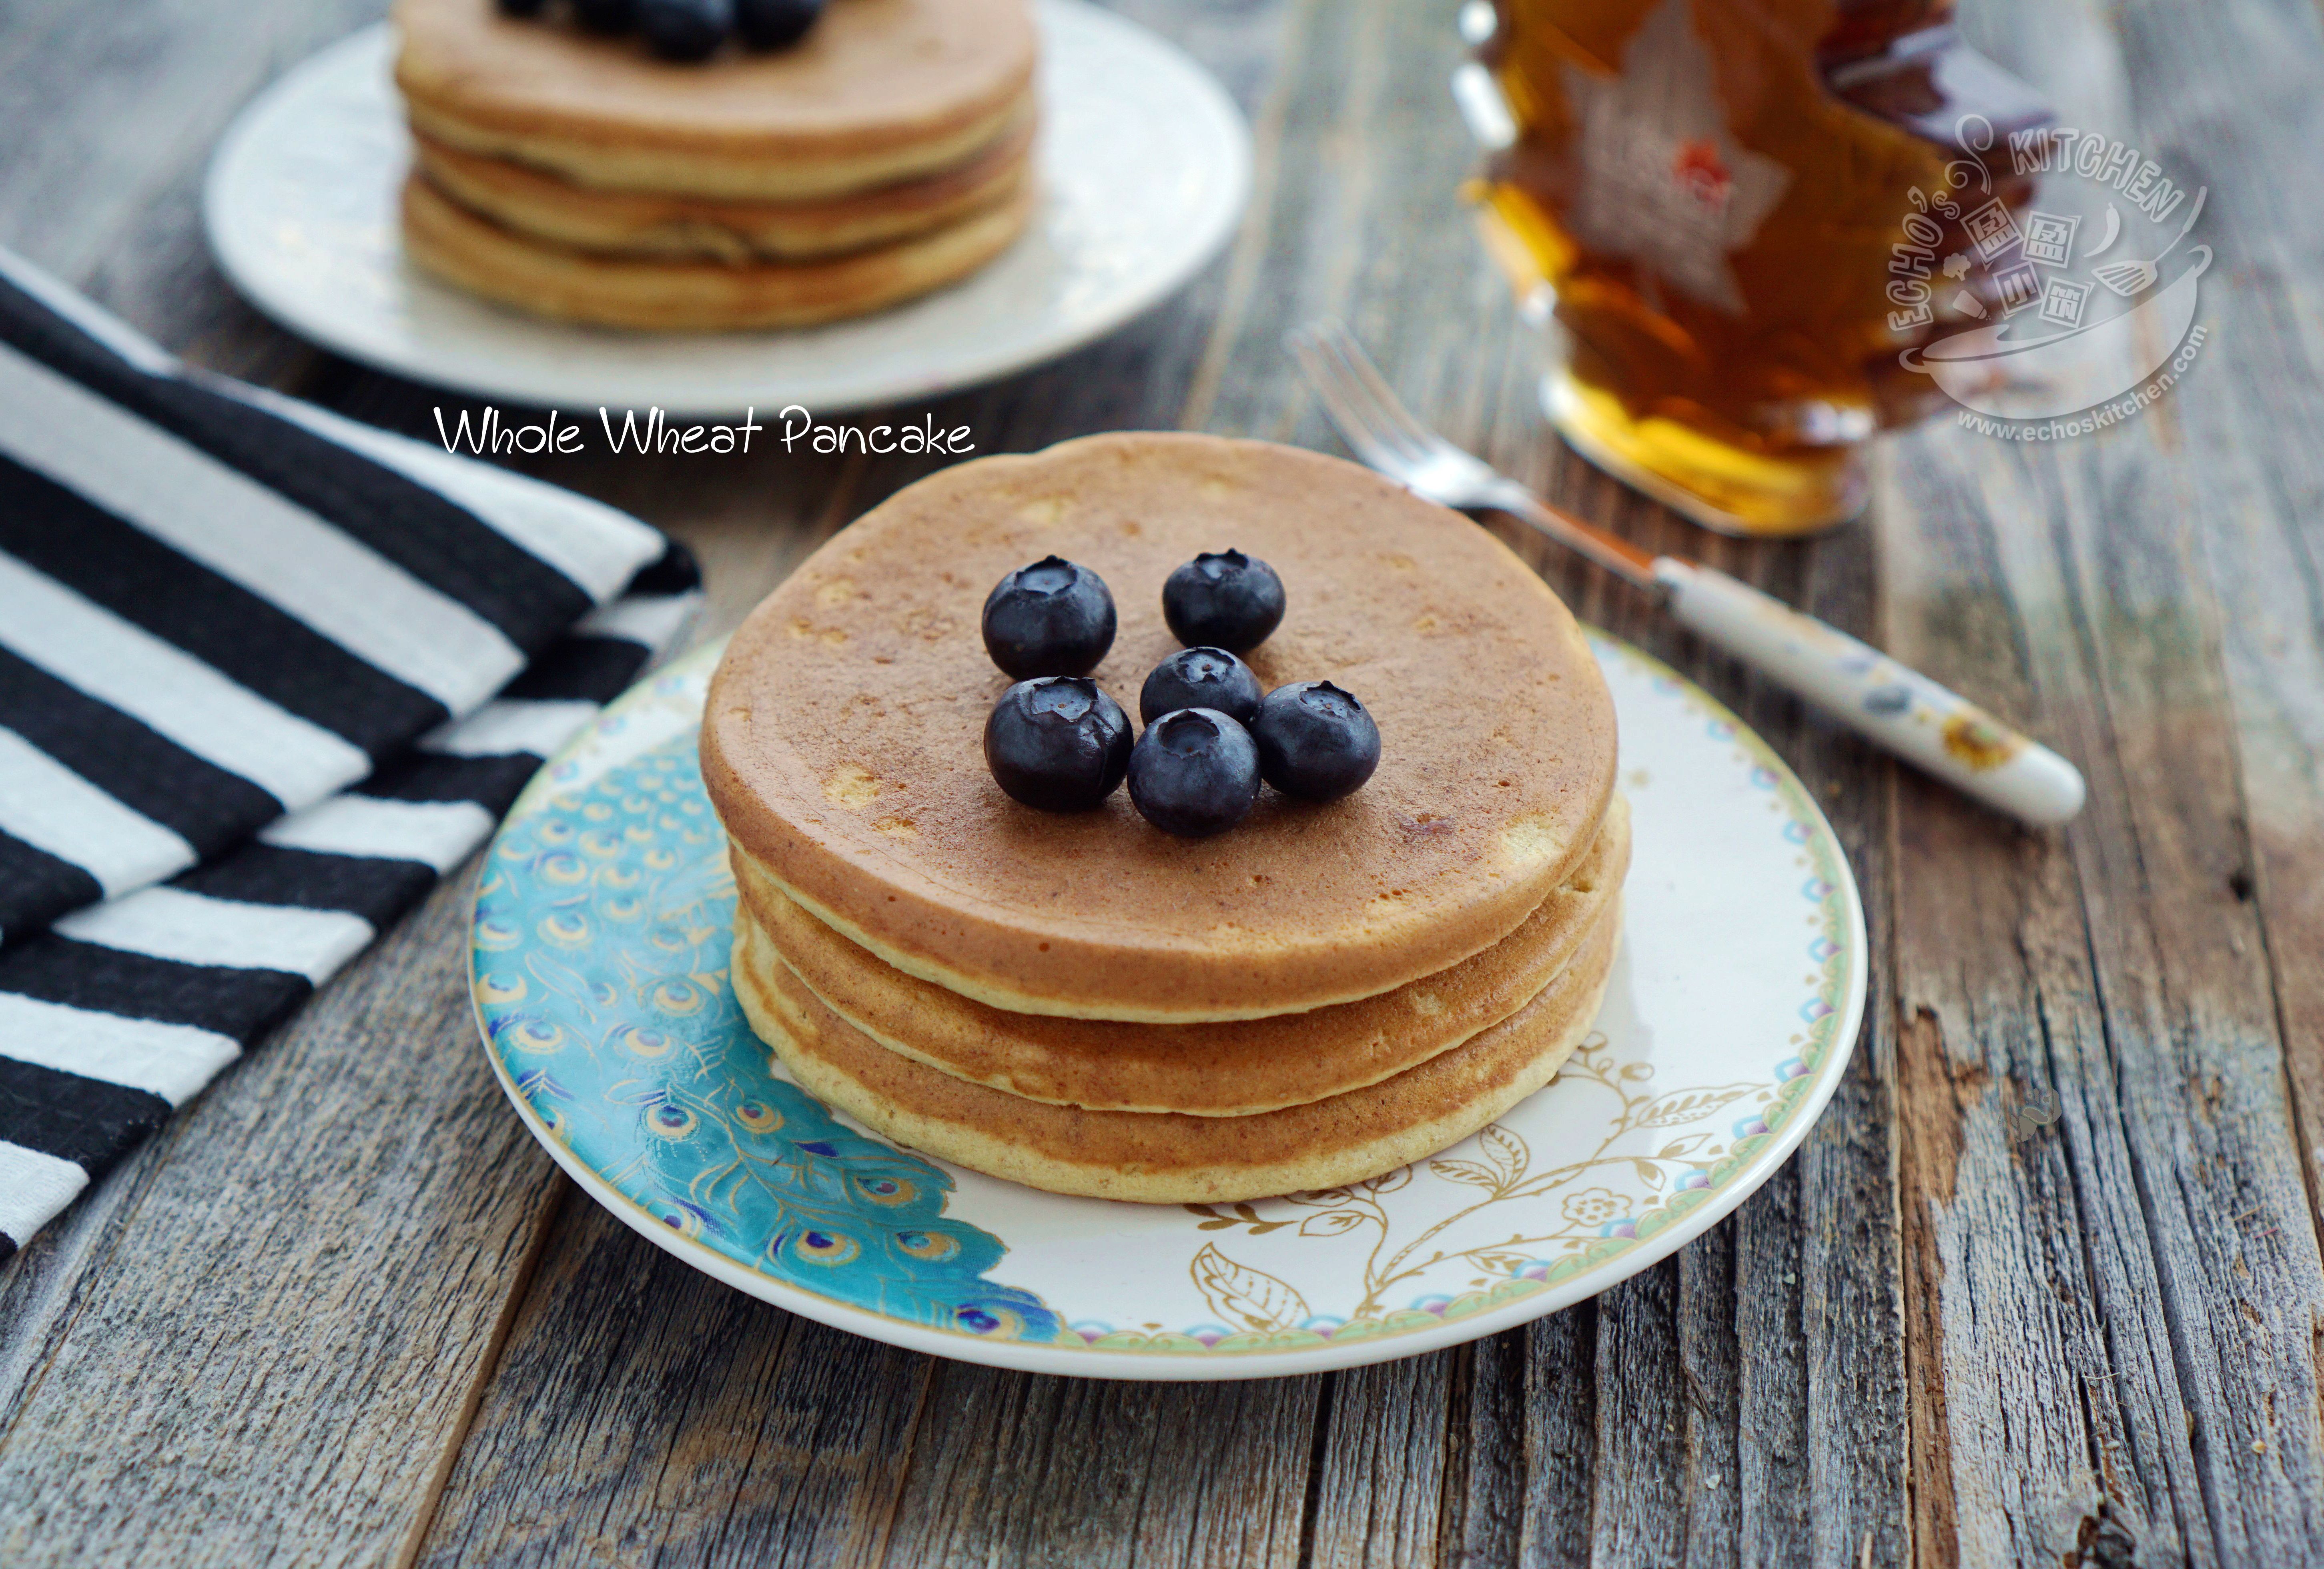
(721, 1430)
(1065, 1472)
(2121, 1308)
(270, 1345)
(342, 1311)
(1379, 1483)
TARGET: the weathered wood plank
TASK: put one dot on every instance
(1071, 1472)
(2125, 1364)
(1641, 1474)
(2035, 1409)
(1560, 1396)
(1483, 1519)
(711, 1429)
(1710, 1370)
(2232, 95)
(1772, 1446)
(2160, 1039)
(1850, 1297)
(274, 1351)
(1379, 1489)
(40, 1287)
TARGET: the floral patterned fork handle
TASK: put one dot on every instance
(1934, 728)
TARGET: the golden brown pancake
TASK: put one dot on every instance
(842, 740)
(1229, 1069)
(447, 240)
(681, 227)
(1167, 1158)
(878, 91)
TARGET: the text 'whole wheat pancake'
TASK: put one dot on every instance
(841, 742)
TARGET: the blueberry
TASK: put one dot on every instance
(775, 23)
(1315, 740)
(606, 15)
(1200, 678)
(1226, 600)
(685, 30)
(1052, 618)
(1057, 744)
(1193, 773)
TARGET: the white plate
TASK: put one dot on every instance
(1145, 167)
(601, 939)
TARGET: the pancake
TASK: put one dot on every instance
(1166, 1158)
(842, 744)
(627, 223)
(878, 91)
(1229, 1069)
(445, 239)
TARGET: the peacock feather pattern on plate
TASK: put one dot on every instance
(603, 924)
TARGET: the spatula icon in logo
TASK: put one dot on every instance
(2129, 278)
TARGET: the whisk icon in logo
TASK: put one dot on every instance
(2044, 328)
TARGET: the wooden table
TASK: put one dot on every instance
(344, 1310)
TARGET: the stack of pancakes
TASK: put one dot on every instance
(1084, 1004)
(886, 154)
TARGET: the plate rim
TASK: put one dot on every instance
(240, 140)
(1090, 1362)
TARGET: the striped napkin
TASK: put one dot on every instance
(265, 675)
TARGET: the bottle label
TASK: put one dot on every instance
(1662, 180)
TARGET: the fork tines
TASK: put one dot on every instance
(1380, 430)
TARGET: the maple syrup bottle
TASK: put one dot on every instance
(1712, 193)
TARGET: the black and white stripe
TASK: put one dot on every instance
(218, 605)
(266, 675)
(124, 1009)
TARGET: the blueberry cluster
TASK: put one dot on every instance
(689, 30)
(1057, 742)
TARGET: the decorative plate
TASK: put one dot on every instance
(601, 939)
(1145, 164)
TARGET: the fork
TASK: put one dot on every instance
(1921, 721)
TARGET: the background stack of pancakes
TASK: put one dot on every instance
(1084, 1004)
(886, 154)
